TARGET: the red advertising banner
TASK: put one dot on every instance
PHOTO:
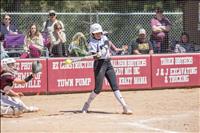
(132, 72)
(77, 76)
(177, 70)
(37, 84)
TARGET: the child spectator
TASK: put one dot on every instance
(78, 46)
(184, 45)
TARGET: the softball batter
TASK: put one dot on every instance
(101, 46)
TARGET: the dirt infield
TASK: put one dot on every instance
(162, 111)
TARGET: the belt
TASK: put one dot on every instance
(103, 59)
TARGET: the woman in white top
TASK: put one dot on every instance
(57, 40)
(48, 26)
(33, 42)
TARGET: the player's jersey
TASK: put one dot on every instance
(101, 46)
(6, 79)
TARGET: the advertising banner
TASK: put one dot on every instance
(77, 76)
(177, 70)
(37, 84)
(133, 72)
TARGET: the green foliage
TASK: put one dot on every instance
(88, 6)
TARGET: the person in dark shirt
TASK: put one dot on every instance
(7, 27)
(184, 45)
(141, 45)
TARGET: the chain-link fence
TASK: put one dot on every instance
(123, 27)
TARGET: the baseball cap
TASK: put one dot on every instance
(142, 31)
(52, 12)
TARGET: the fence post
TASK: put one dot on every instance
(97, 17)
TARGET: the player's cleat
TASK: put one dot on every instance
(31, 109)
(127, 111)
(85, 108)
(17, 111)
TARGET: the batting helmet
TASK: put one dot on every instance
(95, 28)
(9, 60)
(8, 64)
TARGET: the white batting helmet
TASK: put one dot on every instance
(95, 28)
(9, 60)
(5, 64)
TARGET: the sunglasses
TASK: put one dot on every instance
(159, 11)
(52, 14)
(59, 28)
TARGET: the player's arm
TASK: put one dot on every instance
(168, 25)
(8, 90)
(168, 28)
(113, 47)
(23, 81)
(157, 28)
(13, 93)
(150, 48)
(20, 81)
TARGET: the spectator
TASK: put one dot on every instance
(78, 46)
(7, 27)
(57, 40)
(118, 51)
(184, 45)
(3, 52)
(160, 28)
(48, 25)
(142, 45)
(33, 42)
